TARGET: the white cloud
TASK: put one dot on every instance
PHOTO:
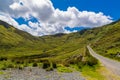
(51, 20)
(11, 21)
(8, 19)
(16, 6)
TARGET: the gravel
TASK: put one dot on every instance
(35, 73)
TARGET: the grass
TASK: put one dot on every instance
(108, 43)
(98, 72)
(20, 49)
(107, 74)
(1, 72)
(91, 73)
(64, 69)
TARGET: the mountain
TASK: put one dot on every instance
(19, 46)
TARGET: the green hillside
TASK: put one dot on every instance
(17, 46)
(108, 41)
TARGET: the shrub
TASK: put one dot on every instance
(19, 62)
(10, 66)
(65, 63)
(3, 68)
(25, 64)
(80, 64)
(46, 65)
(3, 58)
(20, 67)
(92, 61)
(35, 64)
(54, 65)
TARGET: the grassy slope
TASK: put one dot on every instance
(22, 48)
(108, 41)
(16, 43)
(19, 46)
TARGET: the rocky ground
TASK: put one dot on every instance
(38, 74)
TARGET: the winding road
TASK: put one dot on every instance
(112, 65)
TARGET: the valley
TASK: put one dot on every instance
(19, 49)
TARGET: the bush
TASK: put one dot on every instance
(30, 61)
(19, 62)
(92, 61)
(25, 64)
(80, 65)
(46, 65)
(66, 64)
(35, 64)
(54, 65)
(20, 67)
(3, 58)
(10, 66)
(3, 68)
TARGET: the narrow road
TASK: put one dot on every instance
(112, 65)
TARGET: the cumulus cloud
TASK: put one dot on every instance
(11, 21)
(50, 20)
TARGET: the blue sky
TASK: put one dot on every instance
(108, 7)
(46, 17)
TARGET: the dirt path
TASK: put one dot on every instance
(112, 65)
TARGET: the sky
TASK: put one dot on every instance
(108, 7)
(47, 17)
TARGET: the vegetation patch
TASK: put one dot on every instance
(64, 69)
(91, 73)
(1, 72)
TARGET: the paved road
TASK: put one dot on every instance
(112, 65)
